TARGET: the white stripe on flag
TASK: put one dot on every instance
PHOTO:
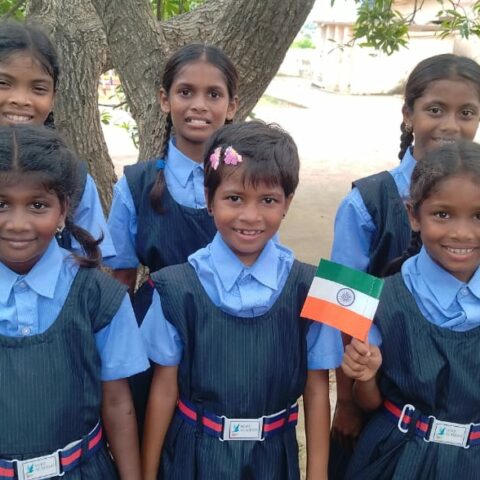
(329, 291)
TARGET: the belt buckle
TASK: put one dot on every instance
(39, 468)
(406, 407)
(449, 433)
(239, 429)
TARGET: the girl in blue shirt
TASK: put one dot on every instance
(442, 104)
(68, 335)
(428, 323)
(158, 215)
(29, 72)
(225, 334)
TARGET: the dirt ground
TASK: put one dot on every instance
(340, 138)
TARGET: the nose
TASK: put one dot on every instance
(463, 230)
(16, 221)
(20, 96)
(250, 213)
(199, 103)
(451, 123)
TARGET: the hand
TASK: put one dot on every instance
(347, 423)
(361, 361)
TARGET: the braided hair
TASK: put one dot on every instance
(439, 67)
(188, 54)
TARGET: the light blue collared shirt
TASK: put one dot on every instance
(442, 299)
(30, 304)
(89, 215)
(184, 180)
(354, 230)
(242, 291)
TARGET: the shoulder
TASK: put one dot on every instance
(175, 277)
(138, 171)
(375, 181)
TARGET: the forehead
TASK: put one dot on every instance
(26, 64)
(451, 91)
(200, 73)
(462, 190)
(239, 179)
(12, 182)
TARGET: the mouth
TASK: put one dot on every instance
(18, 242)
(461, 252)
(17, 118)
(197, 121)
(445, 140)
(248, 233)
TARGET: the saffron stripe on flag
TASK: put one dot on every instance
(361, 281)
(336, 316)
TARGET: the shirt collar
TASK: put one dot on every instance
(42, 278)
(443, 285)
(179, 165)
(229, 268)
(408, 164)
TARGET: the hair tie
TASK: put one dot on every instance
(230, 157)
(160, 165)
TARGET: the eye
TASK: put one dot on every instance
(435, 110)
(41, 89)
(442, 215)
(38, 205)
(234, 198)
(215, 94)
(467, 113)
(269, 200)
(185, 92)
(3, 204)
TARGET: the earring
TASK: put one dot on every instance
(59, 231)
(408, 128)
(284, 215)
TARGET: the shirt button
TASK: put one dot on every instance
(464, 291)
(26, 331)
(22, 284)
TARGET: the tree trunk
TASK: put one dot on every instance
(78, 34)
(255, 34)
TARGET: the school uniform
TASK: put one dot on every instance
(371, 224)
(242, 351)
(429, 323)
(63, 330)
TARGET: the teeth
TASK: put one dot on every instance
(249, 232)
(460, 251)
(445, 141)
(197, 121)
(18, 118)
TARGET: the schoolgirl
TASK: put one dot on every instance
(29, 74)
(441, 104)
(68, 335)
(428, 323)
(225, 333)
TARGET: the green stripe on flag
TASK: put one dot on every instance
(361, 281)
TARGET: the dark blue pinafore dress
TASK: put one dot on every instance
(433, 369)
(239, 368)
(162, 240)
(383, 202)
(50, 387)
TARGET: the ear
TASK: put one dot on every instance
(208, 200)
(64, 208)
(164, 100)
(413, 217)
(232, 108)
(288, 201)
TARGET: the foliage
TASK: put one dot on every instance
(304, 42)
(380, 26)
(12, 9)
(164, 9)
(304, 37)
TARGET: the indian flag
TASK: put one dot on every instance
(343, 298)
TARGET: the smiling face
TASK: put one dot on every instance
(26, 91)
(247, 216)
(199, 103)
(447, 111)
(29, 217)
(449, 224)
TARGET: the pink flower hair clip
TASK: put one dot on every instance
(232, 157)
(215, 158)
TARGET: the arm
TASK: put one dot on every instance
(317, 423)
(160, 410)
(361, 362)
(118, 416)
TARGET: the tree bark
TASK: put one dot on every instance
(255, 34)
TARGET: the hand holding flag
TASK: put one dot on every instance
(361, 361)
(343, 298)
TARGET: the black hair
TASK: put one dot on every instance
(40, 153)
(269, 155)
(439, 67)
(185, 55)
(16, 37)
(461, 157)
